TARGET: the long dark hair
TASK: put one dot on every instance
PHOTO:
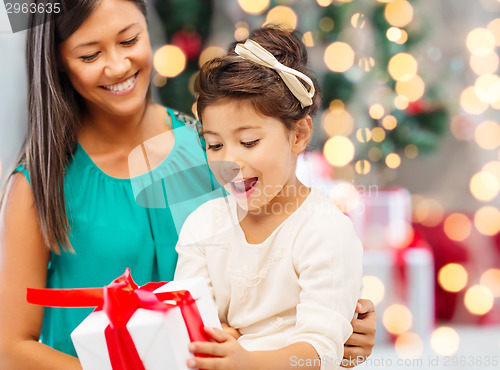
(55, 111)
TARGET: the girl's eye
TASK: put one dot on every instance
(132, 41)
(214, 146)
(250, 144)
(89, 58)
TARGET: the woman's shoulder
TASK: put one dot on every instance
(176, 117)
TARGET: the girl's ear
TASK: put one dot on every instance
(301, 134)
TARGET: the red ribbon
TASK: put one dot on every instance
(119, 300)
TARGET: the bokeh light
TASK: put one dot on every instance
(363, 135)
(326, 24)
(480, 42)
(324, 3)
(337, 121)
(393, 34)
(397, 319)
(494, 28)
(254, 6)
(241, 32)
(375, 154)
(485, 63)
(484, 186)
(493, 167)
(478, 300)
(409, 345)
(398, 13)
(282, 15)
(428, 212)
(373, 289)
(487, 220)
(453, 277)
(366, 63)
(393, 160)
(169, 61)
(487, 135)
(308, 39)
(470, 102)
(491, 279)
(411, 151)
(358, 20)
(402, 67)
(487, 88)
(413, 89)
(376, 111)
(378, 134)
(389, 122)
(338, 151)
(209, 53)
(362, 167)
(457, 226)
(445, 341)
(159, 80)
(339, 56)
(401, 102)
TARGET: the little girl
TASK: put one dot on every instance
(284, 264)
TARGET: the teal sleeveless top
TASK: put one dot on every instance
(119, 223)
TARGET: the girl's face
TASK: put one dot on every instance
(253, 156)
(109, 60)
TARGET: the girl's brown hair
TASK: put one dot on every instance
(232, 77)
(55, 112)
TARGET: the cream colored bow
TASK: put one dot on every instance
(256, 53)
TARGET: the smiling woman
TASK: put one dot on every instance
(110, 57)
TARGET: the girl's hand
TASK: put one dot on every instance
(231, 331)
(360, 344)
(226, 351)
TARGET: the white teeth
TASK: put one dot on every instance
(122, 86)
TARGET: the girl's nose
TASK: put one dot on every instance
(225, 171)
(117, 65)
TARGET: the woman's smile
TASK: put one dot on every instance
(124, 87)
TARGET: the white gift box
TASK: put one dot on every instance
(161, 338)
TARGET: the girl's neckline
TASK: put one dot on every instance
(260, 245)
(169, 119)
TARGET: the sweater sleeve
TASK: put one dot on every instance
(327, 258)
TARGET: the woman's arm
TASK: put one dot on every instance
(360, 344)
(24, 258)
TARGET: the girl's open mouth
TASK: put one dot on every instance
(244, 187)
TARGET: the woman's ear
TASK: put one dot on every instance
(301, 134)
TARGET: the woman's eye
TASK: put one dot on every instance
(249, 144)
(89, 58)
(214, 146)
(132, 41)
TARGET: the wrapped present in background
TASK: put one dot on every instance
(133, 327)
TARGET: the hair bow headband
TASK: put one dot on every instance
(252, 51)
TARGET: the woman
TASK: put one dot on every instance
(73, 217)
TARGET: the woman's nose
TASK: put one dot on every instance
(117, 66)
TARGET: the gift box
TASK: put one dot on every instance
(133, 327)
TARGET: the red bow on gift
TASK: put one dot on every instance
(119, 300)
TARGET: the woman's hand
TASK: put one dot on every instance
(226, 351)
(360, 344)
(231, 331)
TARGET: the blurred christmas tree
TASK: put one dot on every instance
(187, 25)
(372, 74)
